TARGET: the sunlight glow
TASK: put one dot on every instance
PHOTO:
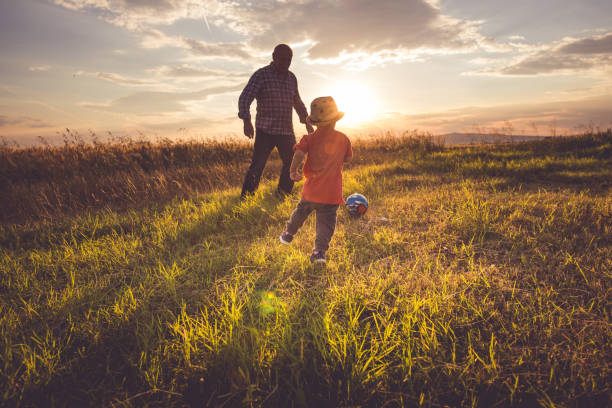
(356, 100)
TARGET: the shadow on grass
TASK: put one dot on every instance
(102, 366)
(234, 377)
(551, 171)
(74, 229)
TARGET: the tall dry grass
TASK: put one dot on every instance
(43, 182)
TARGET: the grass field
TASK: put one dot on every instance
(480, 276)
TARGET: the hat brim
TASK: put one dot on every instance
(336, 118)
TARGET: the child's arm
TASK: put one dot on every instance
(348, 156)
(296, 164)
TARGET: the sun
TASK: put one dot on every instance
(356, 100)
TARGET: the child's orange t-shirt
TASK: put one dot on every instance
(327, 150)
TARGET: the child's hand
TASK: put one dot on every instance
(295, 176)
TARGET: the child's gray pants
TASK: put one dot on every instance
(326, 221)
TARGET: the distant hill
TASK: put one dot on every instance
(451, 139)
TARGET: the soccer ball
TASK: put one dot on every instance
(356, 204)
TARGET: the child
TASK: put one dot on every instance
(326, 150)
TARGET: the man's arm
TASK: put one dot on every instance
(301, 110)
(244, 103)
(296, 164)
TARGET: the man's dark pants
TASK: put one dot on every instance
(326, 221)
(264, 144)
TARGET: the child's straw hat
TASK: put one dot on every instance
(323, 111)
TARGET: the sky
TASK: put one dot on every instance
(175, 68)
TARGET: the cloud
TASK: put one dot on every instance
(567, 116)
(114, 78)
(341, 30)
(24, 121)
(4, 93)
(39, 68)
(184, 126)
(140, 14)
(360, 33)
(187, 72)
(549, 62)
(356, 34)
(567, 56)
(156, 103)
(216, 50)
(588, 46)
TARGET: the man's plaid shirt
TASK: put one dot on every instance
(276, 97)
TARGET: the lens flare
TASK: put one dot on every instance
(269, 303)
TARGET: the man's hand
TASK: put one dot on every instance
(248, 129)
(295, 176)
(309, 128)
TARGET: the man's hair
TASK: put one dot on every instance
(282, 47)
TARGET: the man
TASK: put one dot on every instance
(276, 91)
